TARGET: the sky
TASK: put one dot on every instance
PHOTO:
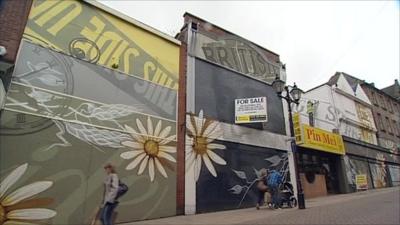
(314, 38)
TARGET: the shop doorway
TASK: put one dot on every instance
(320, 171)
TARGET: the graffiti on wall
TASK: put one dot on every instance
(76, 28)
(58, 121)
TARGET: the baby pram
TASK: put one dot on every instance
(286, 194)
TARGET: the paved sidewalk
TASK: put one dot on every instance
(327, 210)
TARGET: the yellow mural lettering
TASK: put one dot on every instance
(57, 10)
(129, 58)
(147, 67)
(116, 57)
(109, 41)
(39, 9)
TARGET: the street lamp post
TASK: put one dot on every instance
(292, 96)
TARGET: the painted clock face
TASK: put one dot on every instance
(38, 67)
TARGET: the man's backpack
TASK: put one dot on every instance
(274, 179)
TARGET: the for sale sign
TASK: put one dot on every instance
(251, 110)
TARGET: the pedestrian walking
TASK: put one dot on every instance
(274, 181)
(262, 187)
(109, 203)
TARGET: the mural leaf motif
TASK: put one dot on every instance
(237, 189)
(240, 174)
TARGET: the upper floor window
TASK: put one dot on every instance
(395, 128)
(373, 98)
(389, 125)
(382, 101)
(389, 104)
(380, 122)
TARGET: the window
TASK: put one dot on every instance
(396, 129)
(373, 98)
(389, 126)
(382, 102)
(380, 122)
(389, 104)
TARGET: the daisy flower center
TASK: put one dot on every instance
(151, 148)
(2, 214)
(200, 145)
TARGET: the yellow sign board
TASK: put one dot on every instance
(320, 139)
(297, 127)
(361, 181)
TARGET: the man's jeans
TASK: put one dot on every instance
(107, 212)
(276, 201)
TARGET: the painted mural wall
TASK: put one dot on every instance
(83, 31)
(234, 52)
(224, 159)
(67, 114)
(356, 166)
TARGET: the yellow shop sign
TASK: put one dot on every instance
(319, 139)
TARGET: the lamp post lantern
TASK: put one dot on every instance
(292, 96)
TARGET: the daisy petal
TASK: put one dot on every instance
(166, 156)
(216, 146)
(149, 126)
(200, 122)
(136, 161)
(165, 132)
(151, 169)
(130, 154)
(134, 133)
(216, 158)
(135, 145)
(160, 168)
(210, 129)
(158, 128)
(198, 167)
(189, 125)
(209, 165)
(12, 178)
(167, 140)
(165, 148)
(143, 165)
(31, 214)
(141, 127)
(26, 192)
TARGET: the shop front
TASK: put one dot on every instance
(380, 166)
(319, 160)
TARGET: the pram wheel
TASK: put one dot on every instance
(292, 202)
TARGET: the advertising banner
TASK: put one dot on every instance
(361, 182)
(251, 110)
(320, 139)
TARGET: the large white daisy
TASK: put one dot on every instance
(201, 132)
(18, 207)
(150, 145)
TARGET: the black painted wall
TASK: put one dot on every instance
(216, 91)
(227, 189)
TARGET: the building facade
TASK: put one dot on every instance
(89, 86)
(222, 68)
(342, 106)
